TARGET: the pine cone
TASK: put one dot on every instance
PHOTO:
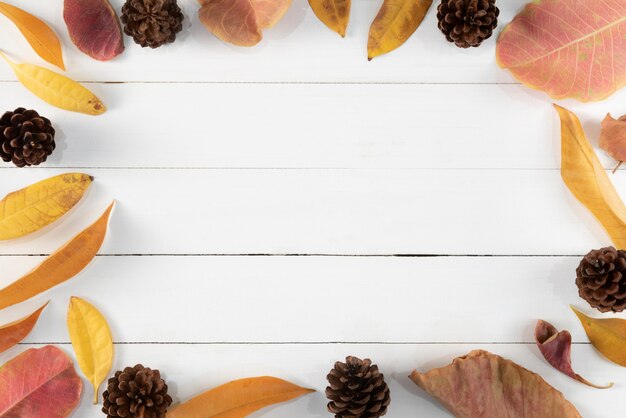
(152, 22)
(600, 279)
(136, 392)
(467, 22)
(25, 137)
(357, 390)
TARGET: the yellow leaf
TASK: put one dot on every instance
(333, 13)
(394, 24)
(56, 89)
(91, 340)
(14, 332)
(64, 264)
(30, 209)
(587, 180)
(239, 398)
(608, 336)
(39, 35)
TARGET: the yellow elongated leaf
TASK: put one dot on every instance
(333, 13)
(16, 331)
(608, 336)
(587, 180)
(39, 35)
(64, 264)
(91, 340)
(239, 398)
(56, 89)
(30, 209)
(395, 22)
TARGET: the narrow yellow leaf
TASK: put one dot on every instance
(30, 209)
(39, 35)
(64, 264)
(395, 22)
(239, 398)
(608, 336)
(587, 179)
(333, 13)
(91, 340)
(56, 89)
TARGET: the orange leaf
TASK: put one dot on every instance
(613, 137)
(39, 35)
(239, 398)
(64, 264)
(333, 13)
(567, 48)
(482, 384)
(608, 336)
(13, 333)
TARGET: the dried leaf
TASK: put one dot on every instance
(240, 22)
(64, 264)
(394, 24)
(92, 341)
(587, 180)
(567, 48)
(608, 336)
(613, 137)
(39, 35)
(13, 333)
(239, 398)
(556, 348)
(94, 28)
(482, 384)
(56, 89)
(333, 13)
(38, 205)
(39, 383)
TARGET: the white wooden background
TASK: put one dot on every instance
(265, 195)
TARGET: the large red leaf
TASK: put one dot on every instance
(94, 28)
(39, 383)
(567, 48)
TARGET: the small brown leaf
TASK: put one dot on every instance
(482, 384)
(556, 348)
(613, 137)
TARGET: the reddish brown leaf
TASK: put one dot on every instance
(94, 28)
(482, 384)
(613, 137)
(13, 333)
(556, 348)
(39, 383)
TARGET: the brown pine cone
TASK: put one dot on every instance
(600, 279)
(357, 390)
(152, 22)
(467, 23)
(26, 138)
(136, 392)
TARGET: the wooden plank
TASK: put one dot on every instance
(300, 48)
(191, 369)
(313, 126)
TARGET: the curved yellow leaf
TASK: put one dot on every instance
(394, 24)
(64, 264)
(30, 209)
(91, 340)
(608, 336)
(239, 398)
(587, 180)
(56, 89)
(333, 13)
(39, 35)
(16, 331)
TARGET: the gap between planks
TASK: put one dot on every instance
(315, 255)
(365, 83)
(390, 343)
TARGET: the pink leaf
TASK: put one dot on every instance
(39, 383)
(94, 28)
(556, 348)
(613, 137)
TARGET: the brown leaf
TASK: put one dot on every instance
(333, 13)
(613, 137)
(556, 348)
(13, 333)
(482, 384)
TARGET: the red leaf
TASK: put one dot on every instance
(39, 383)
(556, 348)
(613, 137)
(94, 28)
